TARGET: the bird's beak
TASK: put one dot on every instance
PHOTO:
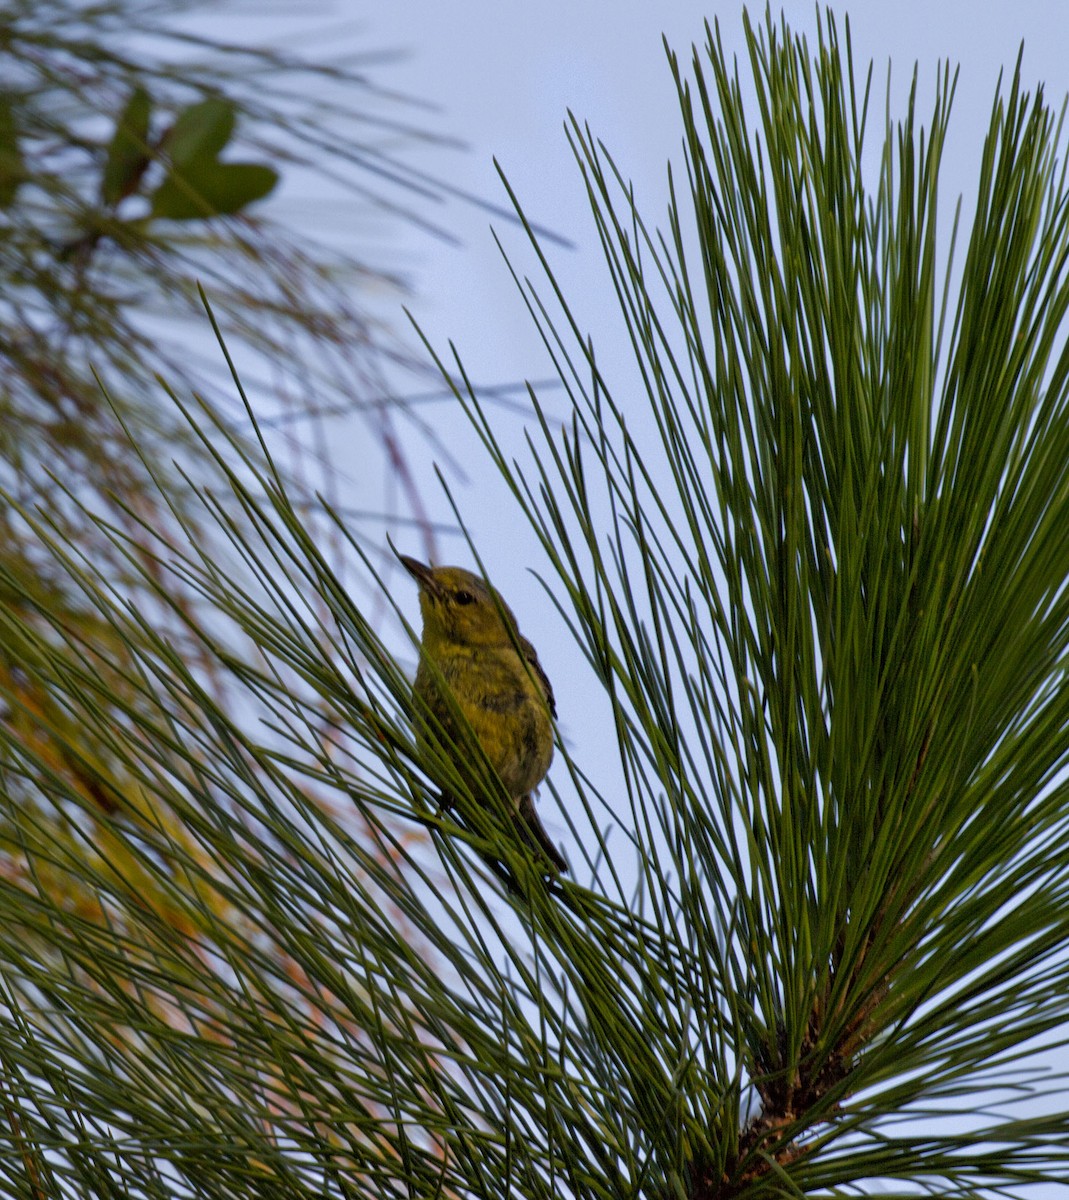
(421, 573)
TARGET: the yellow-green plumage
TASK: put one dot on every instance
(472, 646)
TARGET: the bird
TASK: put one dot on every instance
(474, 660)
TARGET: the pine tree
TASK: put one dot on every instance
(817, 560)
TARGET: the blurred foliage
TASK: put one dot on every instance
(122, 190)
(136, 143)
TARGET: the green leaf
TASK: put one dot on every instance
(209, 188)
(199, 185)
(12, 167)
(128, 152)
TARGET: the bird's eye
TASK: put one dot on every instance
(464, 597)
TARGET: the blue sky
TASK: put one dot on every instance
(505, 74)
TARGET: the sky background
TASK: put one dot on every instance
(504, 76)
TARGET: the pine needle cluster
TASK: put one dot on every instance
(813, 547)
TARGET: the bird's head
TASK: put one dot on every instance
(459, 608)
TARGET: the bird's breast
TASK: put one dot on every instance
(507, 712)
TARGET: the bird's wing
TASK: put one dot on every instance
(531, 655)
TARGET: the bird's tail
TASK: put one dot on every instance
(535, 835)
